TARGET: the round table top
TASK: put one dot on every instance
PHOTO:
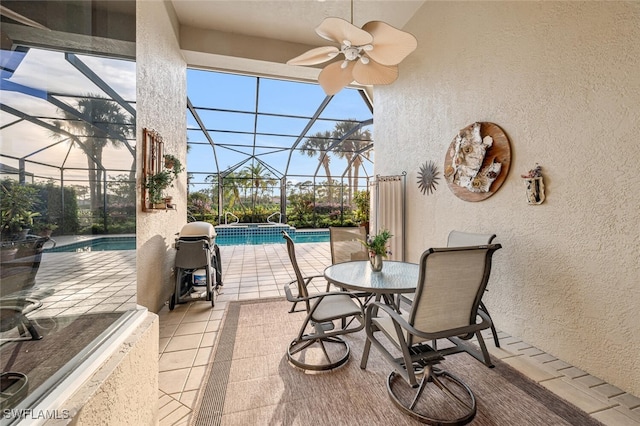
(395, 277)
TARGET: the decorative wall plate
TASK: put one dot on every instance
(477, 161)
(428, 177)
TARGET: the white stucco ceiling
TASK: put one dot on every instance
(288, 20)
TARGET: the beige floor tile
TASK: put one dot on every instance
(208, 339)
(213, 325)
(608, 390)
(189, 398)
(588, 381)
(180, 343)
(582, 399)
(168, 408)
(177, 360)
(163, 344)
(617, 417)
(249, 296)
(177, 417)
(195, 379)
(203, 356)
(167, 330)
(172, 381)
(191, 328)
(628, 401)
(533, 370)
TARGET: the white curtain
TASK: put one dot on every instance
(387, 211)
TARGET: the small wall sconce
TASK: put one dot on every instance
(534, 185)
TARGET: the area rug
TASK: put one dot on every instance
(250, 382)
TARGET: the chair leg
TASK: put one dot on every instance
(453, 392)
(365, 354)
(493, 327)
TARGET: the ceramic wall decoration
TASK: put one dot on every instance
(428, 177)
(477, 161)
(534, 185)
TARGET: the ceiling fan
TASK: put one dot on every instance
(371, 53)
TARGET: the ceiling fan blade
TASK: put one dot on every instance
(5, 11)
(315, 56)
(333, 77)
(338, 30)
(390, 45)
(374, 73)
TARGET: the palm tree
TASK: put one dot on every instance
(259, 179)
(231, 185)
(103, 122)
(318, 145)
(348, 148)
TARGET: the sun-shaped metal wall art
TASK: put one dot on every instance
(428, 177)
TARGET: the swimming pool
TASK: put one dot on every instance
(256, 239)
(96, 244)
(129, 243)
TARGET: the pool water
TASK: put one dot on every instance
(252, 239)
(129, 243)
(98, 244)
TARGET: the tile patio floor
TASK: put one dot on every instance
(188, 333)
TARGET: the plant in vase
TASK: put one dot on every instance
(377, 247)
(172, 163)
(157, 183)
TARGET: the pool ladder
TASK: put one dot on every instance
(226, 218)
(273, 214)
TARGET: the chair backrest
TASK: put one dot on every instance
(291, 249)
(192, 254)
(451, 283)
(464, 239)
(345, 244)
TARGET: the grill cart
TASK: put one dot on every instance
(198, 268)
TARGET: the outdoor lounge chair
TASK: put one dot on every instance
(318, 345)
(446, 305)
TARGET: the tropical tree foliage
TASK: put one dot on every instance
(99, 122)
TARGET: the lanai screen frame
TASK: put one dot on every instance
(360, 153)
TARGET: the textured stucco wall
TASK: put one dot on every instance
(563, 80)
(124, 390)
(161, 104)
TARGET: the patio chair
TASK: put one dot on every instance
(346, 246)
(465, 239)
(446, 305)
(318, 345)
(18, 276)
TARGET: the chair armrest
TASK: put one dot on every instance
(400, 322)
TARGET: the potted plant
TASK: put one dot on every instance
(172, 163)
(156, 184)
(377, 247)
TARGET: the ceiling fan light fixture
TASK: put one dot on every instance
(379, 47)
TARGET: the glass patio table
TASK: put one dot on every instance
(395, 278)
